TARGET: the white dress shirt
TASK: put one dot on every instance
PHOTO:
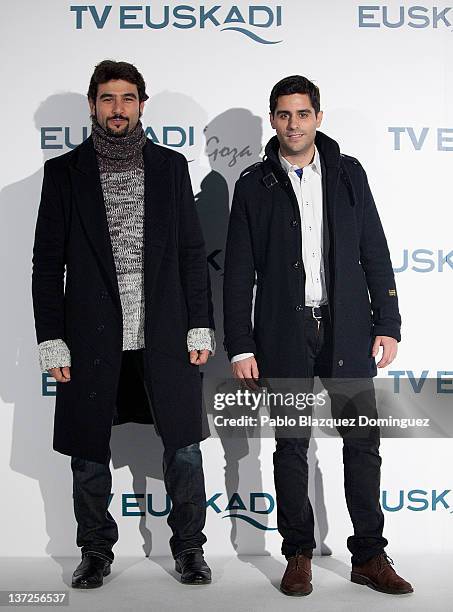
(308, 191)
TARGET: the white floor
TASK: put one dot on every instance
(244, 584)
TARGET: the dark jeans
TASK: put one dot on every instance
(97, 531)
(361, 459)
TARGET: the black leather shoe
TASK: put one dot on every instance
(193, 568)
(90, 572)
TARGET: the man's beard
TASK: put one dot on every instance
(117, 133)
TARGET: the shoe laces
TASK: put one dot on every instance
(384, 561)
(300, 556)
(388, 560)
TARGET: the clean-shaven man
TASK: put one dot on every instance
(304, 224)
(123, 316)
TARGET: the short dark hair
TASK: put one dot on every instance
(295, 84)
(109, 70)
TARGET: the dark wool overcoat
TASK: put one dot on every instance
(265, 242)
(84, 309)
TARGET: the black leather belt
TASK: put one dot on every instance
(316, 312)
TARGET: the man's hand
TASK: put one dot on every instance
(390, 348)
(247, 370)
(60, 374)
(199, 357)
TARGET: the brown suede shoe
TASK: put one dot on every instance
(296, 580)
(378, 574)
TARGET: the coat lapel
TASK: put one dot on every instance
(91, 207)
(330, 170)
(330, 162)
(330, 181)
(158, 196)
(158, 192)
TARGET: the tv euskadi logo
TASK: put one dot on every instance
(59, 137)
(255, 508)
(416, 17)
(416, 500)
(257, 503)
(425, 260)
(251, 21)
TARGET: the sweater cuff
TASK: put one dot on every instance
(53, 354)
(201, 338)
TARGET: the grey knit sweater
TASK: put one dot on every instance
(120, 161)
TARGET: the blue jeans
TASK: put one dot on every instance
(97, 530)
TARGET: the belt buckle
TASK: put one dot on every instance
(313, 313)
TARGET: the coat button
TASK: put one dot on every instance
(294, 223)
(340, 363)
(92, 395)
(299, 307)
(296, 265)
(104, 295)
(97, 362)
(100, 328)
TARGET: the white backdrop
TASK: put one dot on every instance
(386, 79)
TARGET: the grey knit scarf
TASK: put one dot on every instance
(118, 153)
